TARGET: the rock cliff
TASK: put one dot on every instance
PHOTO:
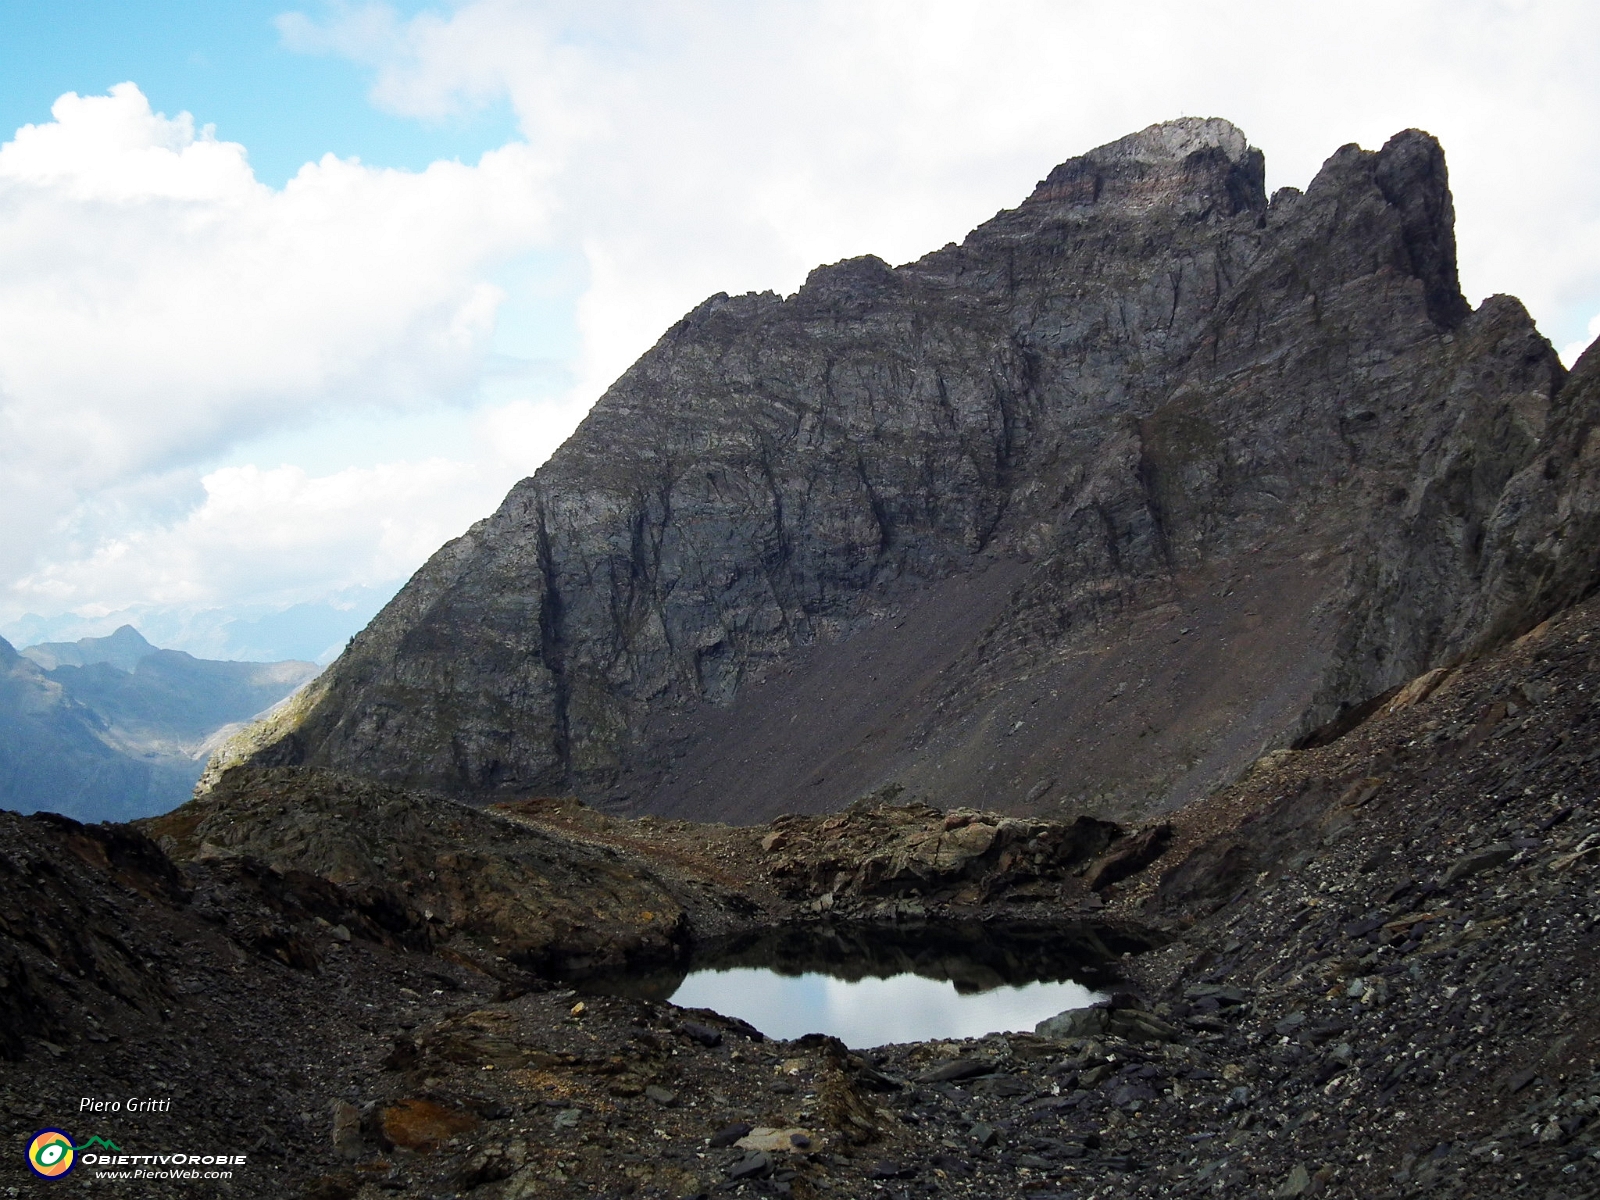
(1148, 475)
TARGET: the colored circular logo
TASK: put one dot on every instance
(50, 1153)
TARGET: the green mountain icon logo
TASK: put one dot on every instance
(101, 1142)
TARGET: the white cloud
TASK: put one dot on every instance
(113, 148)
(257, 539)
(1571, 351)
(157, 303)
(278, 535)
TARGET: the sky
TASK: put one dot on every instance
(292, 294)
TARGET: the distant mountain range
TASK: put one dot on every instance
(125, 649)
(314, 630)
(113, 728)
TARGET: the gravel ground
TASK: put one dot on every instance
(1379, 982)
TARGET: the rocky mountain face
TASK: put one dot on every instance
(1147, 476)
(114, 728)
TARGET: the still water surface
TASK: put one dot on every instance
(875, 1012)
(872, 984)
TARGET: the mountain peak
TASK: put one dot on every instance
(1174, 141)
(124, 648)
(1190, 164)
(869, 534)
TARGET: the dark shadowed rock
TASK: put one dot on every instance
(1479, 861)
(729, 1135)
(1130, 856)
(961, 1068)
(755, 1165)
(426, 870)
(702, 1034)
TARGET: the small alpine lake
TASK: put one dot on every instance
(873, 984)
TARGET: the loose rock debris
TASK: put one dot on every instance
(1374, 979)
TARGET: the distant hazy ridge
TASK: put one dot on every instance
(113, 728)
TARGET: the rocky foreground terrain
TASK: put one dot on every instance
(1365, 970)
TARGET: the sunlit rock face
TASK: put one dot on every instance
(1146, 476)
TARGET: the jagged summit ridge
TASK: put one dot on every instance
(1144, 477)
(1177, 140)
(1193, 163)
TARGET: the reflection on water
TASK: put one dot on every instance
(869, 984)
(874, 1012)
